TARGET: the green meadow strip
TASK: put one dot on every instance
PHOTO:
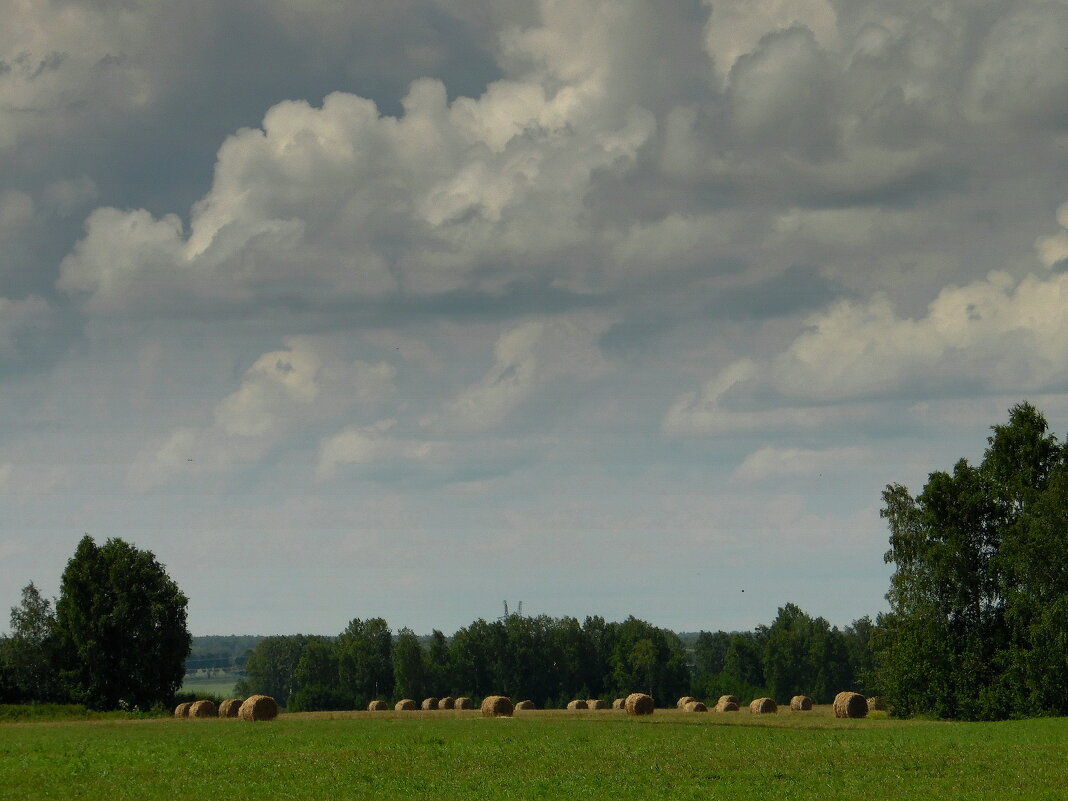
(539, 755)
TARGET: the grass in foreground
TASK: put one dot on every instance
(593, 755)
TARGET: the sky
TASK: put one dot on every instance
(610, 307)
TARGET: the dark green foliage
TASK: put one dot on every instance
(183, 697)
(650, 660)
(317, 678)
(745, 657)
(272, 667)
(548, 660)
(858, 638)
(805, 656)
(121, 633)
(437, 665)
(979, 599)
(28, 656)
(409, 667)
(710, 651)
(365, 660)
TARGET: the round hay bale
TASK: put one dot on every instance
(406, 705)
(578, 703)
(619, 703)
(763, 706)
(463, 702)
(695, 706)
(182, 710)
(496, 706)
(524, 705)
(448, 702)
(228, 708)
(850, 705)
(597, 703)
(725, 704)
(429, 704)
(681, 703)
(639, 704)
(801, 703)
(258, 707)
(377, 706)
(876, 704)
(203, 709)
(734, 699)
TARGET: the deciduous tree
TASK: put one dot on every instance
(121, 627)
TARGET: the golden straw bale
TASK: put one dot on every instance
(448, 702)
(725, 704)
(681, 703)
(229, 707)
(800, 703)
(406, 705)
(763, 706)
(597, 703)
(203, 709)
(734, 699)
(524, 705)
(463, 702)
(578, 703)
(639, 704)
(496, 706)
(619, 703)
(377, 706)
(258, 707)
(876, 704)
(850, 705)
(429, 704)
(182, 710)
(695, 706)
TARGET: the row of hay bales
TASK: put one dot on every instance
(846, 705)
(428, 704)
(255, 707)
(590, 703)
(263, 707)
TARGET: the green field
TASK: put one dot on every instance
(221, 684)
(535, 755)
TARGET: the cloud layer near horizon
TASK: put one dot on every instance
(495, 282)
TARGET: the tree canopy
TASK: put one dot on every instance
(120, 627)
(978, 622)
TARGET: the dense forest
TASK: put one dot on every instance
(553, 660)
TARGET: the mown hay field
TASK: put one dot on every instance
(600, 754)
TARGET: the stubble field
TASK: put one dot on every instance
(536, 755)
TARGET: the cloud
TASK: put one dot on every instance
(343, 201)
(1052, 250)
(772, 462)
(527, 357)
(16, 210)
(21, 320)
(381, 454)
(1021, 74)
(282, 392)
(723, 406)
(735, 27)
(995, 335)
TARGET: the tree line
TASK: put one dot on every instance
(554, 660)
